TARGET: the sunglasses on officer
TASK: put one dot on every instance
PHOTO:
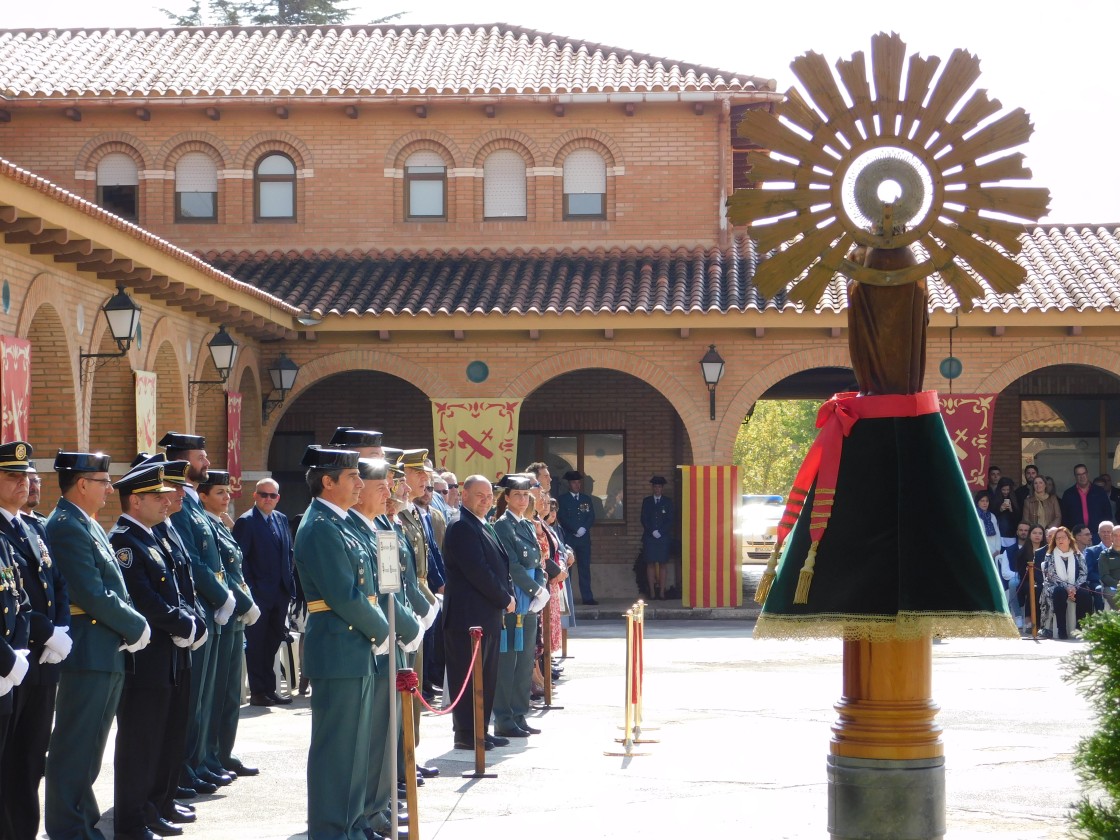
(264, 495)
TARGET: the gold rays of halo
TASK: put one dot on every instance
(951, 160)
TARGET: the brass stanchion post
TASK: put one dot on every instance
(479, 723)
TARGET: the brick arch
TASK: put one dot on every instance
(116, 141)
(54, 422)
(274, 141)
(253, 456)
(47, 289)
(316, 370)
(171, 400)
(111, 392)
(423, 139)
(584, 139)
(814, 357)
(1067, 353)
(194, 141)
(693, 418)
(491, 141)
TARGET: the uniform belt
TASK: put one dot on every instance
(321, 606)
(77, 610)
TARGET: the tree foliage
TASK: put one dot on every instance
(266, 13)
(1096, 673)
(771, 445)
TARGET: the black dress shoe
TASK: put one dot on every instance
(182, 807)
(304, 685)
(185, 792)
(466, 745)
(219, 779)
(419, 780)
(179, 817)
(277, 700)
(202, 786)
(241, 769)
(529, 729)
(497, 740)
(140, 834)
(427, 771)
(370, 834)
(164, 828)
(261, 700)
(511, 732)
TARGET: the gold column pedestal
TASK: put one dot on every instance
(887, 711)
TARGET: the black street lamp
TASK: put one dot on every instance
(123, 315)
(711, 366)
(283, 374)
(223, 350)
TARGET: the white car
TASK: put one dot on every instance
(758, 524)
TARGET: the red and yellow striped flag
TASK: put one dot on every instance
(711, 552)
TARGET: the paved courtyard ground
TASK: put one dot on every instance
(743, 731)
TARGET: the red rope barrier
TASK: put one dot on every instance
(410, 682)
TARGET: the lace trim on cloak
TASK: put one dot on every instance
(905, 626)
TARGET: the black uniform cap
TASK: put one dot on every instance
(320, 458)
(349, 436)
(81, 462)
(181, 442)
(16, 457)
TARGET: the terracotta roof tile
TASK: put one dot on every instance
(1068, 267)
(336, 61)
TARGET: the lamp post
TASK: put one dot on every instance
(283, 374)
(711, 366)
(123, 315)
(223, 350)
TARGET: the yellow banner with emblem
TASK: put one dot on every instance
(475, 436)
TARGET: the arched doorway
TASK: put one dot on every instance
(112, 416)
(53, 415)
(170, 408)
(618, 431)
(210, 414)
(367, 399)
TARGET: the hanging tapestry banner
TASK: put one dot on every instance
(233, 444)
(15, 387)
(712, 573)
(969, 418)
(145, 411)
(475, 436)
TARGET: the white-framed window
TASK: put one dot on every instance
(585, 185)
(118, 185)
(196, 188)
(503, 178)
(274, 182)
(425, 186)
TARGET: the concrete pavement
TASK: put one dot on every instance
(743, 730)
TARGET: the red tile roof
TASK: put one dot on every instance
(383, 60)
(1068, 267)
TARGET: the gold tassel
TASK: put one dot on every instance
(767, 578)
(805, 577)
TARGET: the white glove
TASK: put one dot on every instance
(657, 535)
(142, 642)
(49, 657)
(223, 613)
(201, 640)
(250, 617)
(539, 600)
(60, 642)
(180, 642)
(581, 531)
(411, 647)
(19, 668)
(5, 686)
(428, 618)
(383, 648)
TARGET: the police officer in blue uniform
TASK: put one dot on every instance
(576, 511)
(151, 709)
(29, 732)
(106, 631)
(658, 520)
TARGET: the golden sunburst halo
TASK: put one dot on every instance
(907, 163)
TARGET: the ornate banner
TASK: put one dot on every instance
(233, 444)
(146, 436)
(969, 417)
(475, 436)
(711, 568)
(15, 387)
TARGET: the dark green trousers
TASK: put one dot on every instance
(227, 696)
(87, 702)
(204, 662)
(380, 759)
(338, 759)
(515, 674)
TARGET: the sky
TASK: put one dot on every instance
(1058, 61)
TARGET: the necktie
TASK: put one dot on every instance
(275, 528)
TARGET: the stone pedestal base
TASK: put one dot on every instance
(872, 799)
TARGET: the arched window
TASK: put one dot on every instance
(425, 186)
(503, 176)
(585, 185)
(196, 188)
(118, 185)
(275, 188)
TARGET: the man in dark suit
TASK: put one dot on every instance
(658, 518)
(153, 706)
(24, 758)
(1085, 503)
(266, 542)
(479, 591)
(576, 512)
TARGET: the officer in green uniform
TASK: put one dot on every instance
(101, 621)
(345, 629)
(217, 602)
(530, 588)
(214, 494)
(367, 513)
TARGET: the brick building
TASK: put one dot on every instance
(416, 213)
